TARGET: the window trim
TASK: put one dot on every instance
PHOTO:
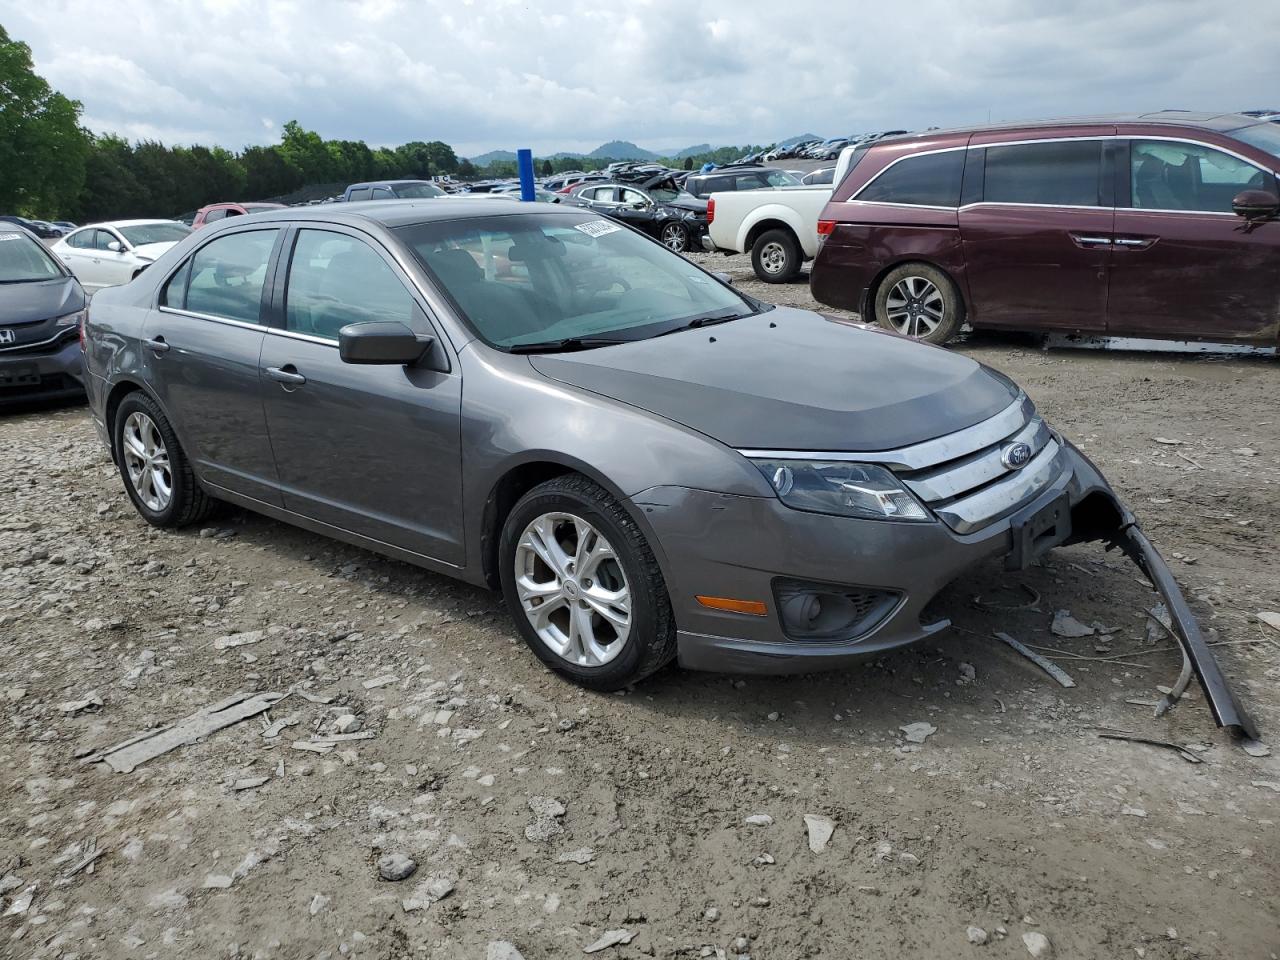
(893, 163)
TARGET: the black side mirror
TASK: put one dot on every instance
(381, 341)
(1256, 204)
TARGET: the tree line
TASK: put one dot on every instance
(52, 168)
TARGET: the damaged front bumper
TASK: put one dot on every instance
(756, 547)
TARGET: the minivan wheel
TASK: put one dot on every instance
(775, 256)
(156, 473)
(919, 301)
(675, 237)
(583, 586)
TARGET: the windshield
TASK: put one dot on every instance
(1264, 136)
(541, 278)
(163, 232)
(416, 191)
(23, 260)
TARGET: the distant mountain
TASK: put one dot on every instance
(621, 150)
(494, 156)
(693, 151)
(803, 136)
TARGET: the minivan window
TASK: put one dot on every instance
(23, 260)
(1065, 173)
(334, 280)
(228, 274)
(1168, 175)
(929, 179)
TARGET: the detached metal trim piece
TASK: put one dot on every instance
(1227, 710)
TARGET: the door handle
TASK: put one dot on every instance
(1135, 243)
(156, 345)
(286, 374)
(1091, 241)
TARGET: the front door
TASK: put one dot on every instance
(1038, 243)
(202, 347)
(368, 448)
(1184, 265)
(83, 254)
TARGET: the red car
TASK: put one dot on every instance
(1160, 225)
(218, 211)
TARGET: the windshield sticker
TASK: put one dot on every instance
(10, 236)
(597, 228)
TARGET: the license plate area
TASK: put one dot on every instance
(1037, 531)
(19, 375)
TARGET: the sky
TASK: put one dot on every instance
(571, 74)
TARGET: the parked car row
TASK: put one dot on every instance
(44, 229)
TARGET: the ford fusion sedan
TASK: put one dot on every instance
(107, 254)
(1161, 225)
(647, 463)
(41, 309)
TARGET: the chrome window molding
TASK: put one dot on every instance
(306, 337)
(195, 315)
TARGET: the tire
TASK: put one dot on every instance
(533, 577)
(675, 237)
(186, 502)
(776, 257)
(919, 301)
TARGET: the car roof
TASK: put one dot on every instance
(398, 213)
(386, 183)
(1220, 122)
(125, 223)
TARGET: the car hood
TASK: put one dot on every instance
(790, 379)
(23, 303)
(153, 251)
(687, 201)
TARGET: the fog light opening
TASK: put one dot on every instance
(819, 611)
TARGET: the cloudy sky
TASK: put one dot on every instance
(570, 74)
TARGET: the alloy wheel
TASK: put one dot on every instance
(147, 461)
(773, 258)
(673, 237)
(572, 589)
(915, 307)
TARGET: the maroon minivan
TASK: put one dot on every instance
(1160, 225)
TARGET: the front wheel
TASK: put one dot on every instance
(775, 256)
(675, 237)
(583, 586)
(919, 301)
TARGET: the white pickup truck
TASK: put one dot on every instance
(778, 227)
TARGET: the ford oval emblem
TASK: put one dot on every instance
(1016, 456)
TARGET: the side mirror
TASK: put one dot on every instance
(1255, 204)
(114, 246)
(381, 341)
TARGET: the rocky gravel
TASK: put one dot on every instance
(366, 761)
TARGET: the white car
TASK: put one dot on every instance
(107, 254)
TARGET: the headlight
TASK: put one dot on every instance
(70, 319)
(844, 489)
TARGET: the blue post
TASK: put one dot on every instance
(524, 160)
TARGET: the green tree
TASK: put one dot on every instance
(546, 169)
(42, 147)
(688, 163)
(306, 153)
(467, 169)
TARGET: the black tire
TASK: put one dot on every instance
(187, 503)
(675, 237)
(651, 641)
(776, 256)
(915, 324)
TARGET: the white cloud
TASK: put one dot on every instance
(503, 73)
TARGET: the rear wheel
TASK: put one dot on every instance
(156, 473)
(584, 587)
(775, 256)
(675, 237)
(919, 301)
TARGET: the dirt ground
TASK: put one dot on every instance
(1013, 816)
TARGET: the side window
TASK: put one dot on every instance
(931, 179)
(80, 239)
(1062, 173)
(232, 212)
(780, 179)
(382, 193)
(102, 239)
(216, 214)
(174, 293)
(360, 193)
(335, 280)
(634, 199)
(228, 274)
(1164, 175)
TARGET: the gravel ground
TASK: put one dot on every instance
(551, 818)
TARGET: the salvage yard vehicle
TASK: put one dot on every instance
(1157, 225)
(41, 309)
(214, 212)
(778, 227)
(673, 218)
(106, 254)
(393, 190)
(648, 463)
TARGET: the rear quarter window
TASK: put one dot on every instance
(928, 179)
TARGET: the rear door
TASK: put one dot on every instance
(202, 345)
(84, 257)
(1184, 264)
(368, 448)
(1036, 224)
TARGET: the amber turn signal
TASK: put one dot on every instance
(752, 608)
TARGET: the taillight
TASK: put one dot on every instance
(711, 210)
(826, 227)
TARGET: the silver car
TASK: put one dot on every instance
(648, 463)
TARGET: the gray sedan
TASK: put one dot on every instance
(648, 463)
